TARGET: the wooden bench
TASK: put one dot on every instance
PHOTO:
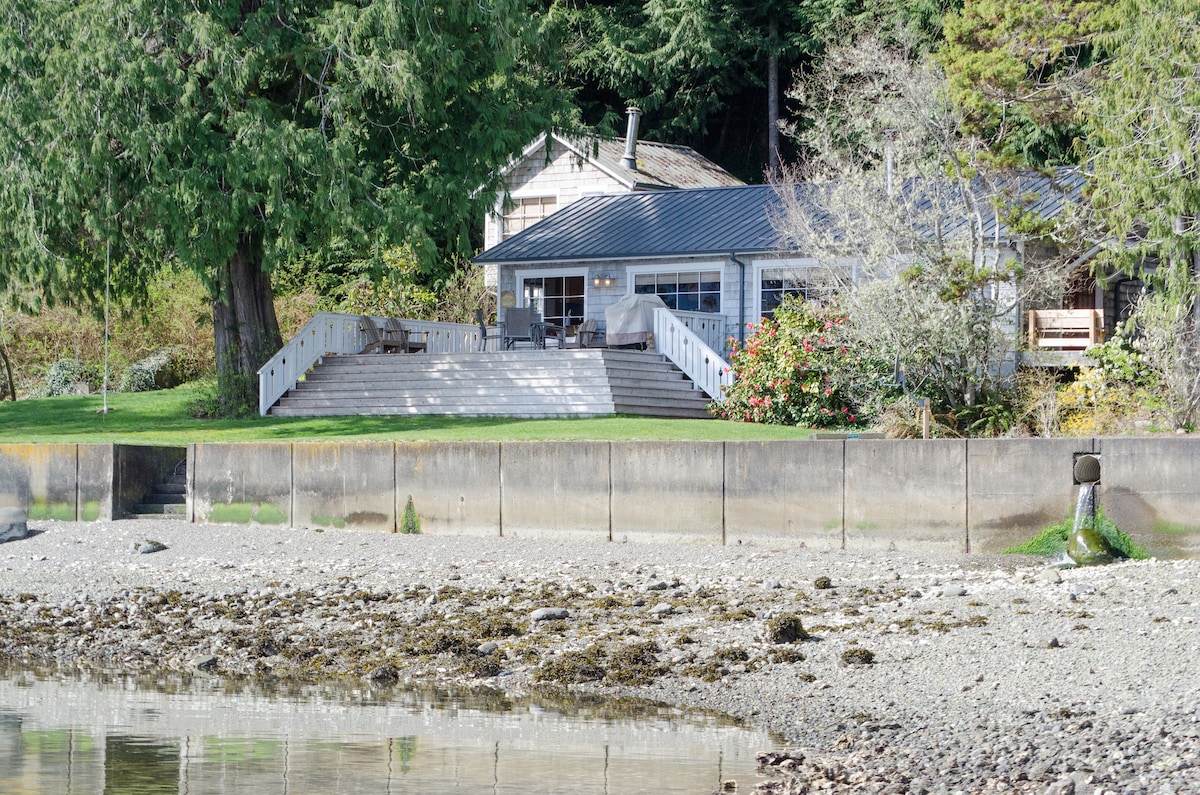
(1066, 329)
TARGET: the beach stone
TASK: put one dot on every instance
(383, 674)
(148, 546)
(661, 585)
(661, 609)
(488, 647)
(549, 614)
(1049, 575)
(13, 524)
(205, 662)
(1088, 548)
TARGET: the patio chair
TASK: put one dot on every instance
(393, 330)
(521, 324)
(377, 341)
(587, 333)
(486, 332)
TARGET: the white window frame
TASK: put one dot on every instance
(518, 199)
(763, 267)
(633, 271)
(522, 275)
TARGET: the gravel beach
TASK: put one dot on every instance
(891, 673)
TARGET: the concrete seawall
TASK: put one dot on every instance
(979, 495)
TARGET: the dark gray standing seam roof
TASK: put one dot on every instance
(736, 220)
(653, 224)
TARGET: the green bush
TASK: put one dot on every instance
(162, 369)
(70, 377)
(786, 372)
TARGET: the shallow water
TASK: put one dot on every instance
(106, 735)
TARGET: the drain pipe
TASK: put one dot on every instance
(741, 296)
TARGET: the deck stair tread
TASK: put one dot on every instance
(592, 382)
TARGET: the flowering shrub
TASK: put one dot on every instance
(787, 371)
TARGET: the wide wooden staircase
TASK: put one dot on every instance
(533, 383)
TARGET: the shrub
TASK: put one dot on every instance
(162, 369)
(70, 377)
(785, 373)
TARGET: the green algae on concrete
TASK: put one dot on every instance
(59, 511)
(247, 512)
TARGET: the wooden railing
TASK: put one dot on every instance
(332, 333)
(1065, 329)
(708, 327)
(691, 354)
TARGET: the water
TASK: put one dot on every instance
(106, 735)
(1085, 507)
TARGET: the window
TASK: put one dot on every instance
(686, 291)
(559, 299)
(528, 212)
(778, 283)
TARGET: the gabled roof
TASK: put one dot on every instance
(735, 220)
(652, 224)
(659, 166)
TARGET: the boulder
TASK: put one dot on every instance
(13, 524)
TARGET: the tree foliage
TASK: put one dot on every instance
(232, 136)
(1019, 69)
(922, 283)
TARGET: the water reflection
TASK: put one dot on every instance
(150, 736)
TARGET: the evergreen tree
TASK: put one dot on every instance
(235, 135)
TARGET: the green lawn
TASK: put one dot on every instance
(162, 418)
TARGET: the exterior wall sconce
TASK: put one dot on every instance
(603, 280)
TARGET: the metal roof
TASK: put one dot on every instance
(731, 220)
(652, 224)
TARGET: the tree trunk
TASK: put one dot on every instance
(12, 385)
(245, 329)
(773, 161)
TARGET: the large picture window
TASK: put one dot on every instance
(559, 299)
(527, 212)
(686, 291)
(778, 283)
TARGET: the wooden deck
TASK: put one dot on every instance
(529, 383)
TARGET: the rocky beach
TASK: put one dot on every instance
(885, 672)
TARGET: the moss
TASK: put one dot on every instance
(786, 656)
(60, 511)
(480, 666)
(707, 671)
(570, 667)
(635, 664)
(1052, 541)
(410, 522)
(90, 512)
(269, 514)
(732, 654)
(737, 614)
(786, 628)
(857, 655)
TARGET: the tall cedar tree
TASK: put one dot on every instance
(234, 135)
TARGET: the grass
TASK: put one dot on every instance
(162, 418)
(1052, 542)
